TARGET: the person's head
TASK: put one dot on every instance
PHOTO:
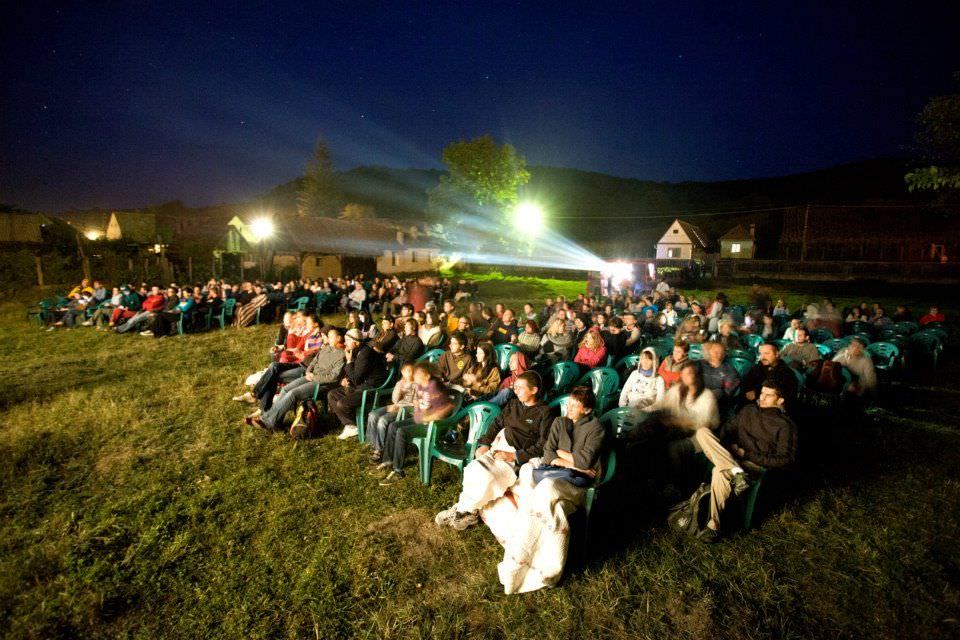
(648, 314)
(645, 361)
(507, 316)
(116, 290)
(485, 355)
(352, 318)
(856, 347)
(310, 323)
(580, 403)
(421, 373)
(767, 320)
(499, 309)
(457, 342)
(531, 326)
(353, 339)
(527, 309)
(691, 381)
(880, 311)
(448, 306)
(802, 335)
(334, 338)
(386, 323)
(795, 324)
(601, 320)
(771, 395)
(154, 290)
(934, 311)
(715, 353)
(562, 315)
(615, 325)
(629, 321)
(592, 340)
(725, 328)
(527, 387)
(680, 351)
(579, 323)
(769, 353)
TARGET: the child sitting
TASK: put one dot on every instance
(380, 419)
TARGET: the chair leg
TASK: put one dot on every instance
(751, 503)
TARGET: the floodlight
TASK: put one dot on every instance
(528, 217)
(92, 234)
(262, 228)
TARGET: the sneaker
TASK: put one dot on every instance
(463, 521)
(51, 328)
(740, 483)
(392, 478)
(445, 517)
(708, 535)
(349, 431)
(146, 333)
(245, 397)
(88, 323)
(381, 469)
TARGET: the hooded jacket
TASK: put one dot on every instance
(640, 391)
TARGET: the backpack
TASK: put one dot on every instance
(690, 516)
(308, 421)
(827, 377)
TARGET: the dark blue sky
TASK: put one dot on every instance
(152, 101)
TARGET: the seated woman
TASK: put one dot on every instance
(518, 366)
(430, 333)
(727, 337)
(556, 344)
(691, 331)
(529, 340)
(101, 316)
(483, 378)
(378, 422)
(643, 386)
(670, 367)
(246, 314)
(433, 403)
(592, 352)
(688, 404)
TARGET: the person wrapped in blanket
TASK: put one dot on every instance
(529, 519)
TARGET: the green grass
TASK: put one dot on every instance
(135, 503)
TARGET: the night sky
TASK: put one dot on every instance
(148, 102)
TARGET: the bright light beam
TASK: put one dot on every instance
(262, 228)
(528, 218)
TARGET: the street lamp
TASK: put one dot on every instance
(262, 229)
(528, 218)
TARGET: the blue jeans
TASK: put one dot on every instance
(378, 421)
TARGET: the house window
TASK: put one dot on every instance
(394, 259)
(413, 256)
(673, 252)
(735, 247)
(676, 230)
(316, 261)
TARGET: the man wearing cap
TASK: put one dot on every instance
(365, 368)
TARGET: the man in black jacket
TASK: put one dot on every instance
(365, 369)
(760, 435)
(771, 367)
(518, 434)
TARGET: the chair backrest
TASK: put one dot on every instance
(825, 349)
(742, 353)
(801, 379)
(821, 335)
(696, 352)
(906, 328)
(564, 375)
(431, 356)
(861, 327)
(482, 415)
(561, 402)
(838, 344)
(603, 380)
(619, 420)
(781, 343)
(626, 365)
(866, 337)
(753, 340)
(503, 351)
(228, 306)
(883, 349)
(300, 303)
(742, 365)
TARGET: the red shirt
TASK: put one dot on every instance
(154, 303)
(930, 317)
(589, 358)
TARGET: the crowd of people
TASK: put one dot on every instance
(535, 463)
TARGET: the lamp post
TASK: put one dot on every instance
(262, 229)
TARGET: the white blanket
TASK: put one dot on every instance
(530, 522)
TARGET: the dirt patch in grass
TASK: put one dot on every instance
(414, 535)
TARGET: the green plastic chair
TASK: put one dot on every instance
(820, 335)
(503, 353)
(368, 401)
(861, 327)
(564, 374)
(626, 365)
(605, 382)
(781, 343)
(838, 344)
(825, 349)
(866, 337)
(226, 312)
(299, 304)
(182, 322)
(481, 415)
(696, 352)
(621, 420)
(560, 402)
(925, 344)
(884, 355)
(661, 349)
(593, 493)
(431, 356)
(906, 328)
(43, 312)
(742, 354)
(753, 340)
(742, 365)
(750, 500)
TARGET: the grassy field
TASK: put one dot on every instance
(135, 503)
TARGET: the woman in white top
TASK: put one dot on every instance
(860, 364)
(643, 387)
(429, 330)
(687, 404)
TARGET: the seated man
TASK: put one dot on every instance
(504, 330)
(771, 367)
(801, 353)
(365, 369)
(517, 435)
(432, 403)
(453, 363)
(933, 316)
(615, 339)
(718, 375)
(760, 434)
(322, 374)
(153, 304)
(860, 364)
